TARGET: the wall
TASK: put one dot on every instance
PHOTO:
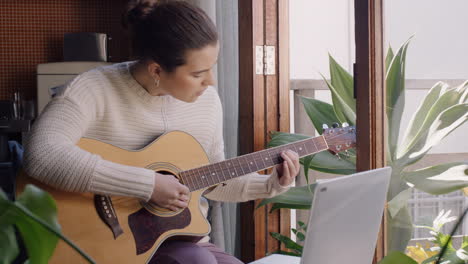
(316, 29)
(31, 32)
(439, 47)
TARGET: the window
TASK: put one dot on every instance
(437, 52)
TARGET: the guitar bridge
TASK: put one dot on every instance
(106, 212)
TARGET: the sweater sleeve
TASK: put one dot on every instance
(248, 187)
(51, 154)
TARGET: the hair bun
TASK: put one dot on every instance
(137, 11)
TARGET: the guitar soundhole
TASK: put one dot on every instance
(160, 211)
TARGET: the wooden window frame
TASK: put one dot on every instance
(263, 107)
(369, 77)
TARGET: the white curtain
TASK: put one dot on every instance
(224, 217)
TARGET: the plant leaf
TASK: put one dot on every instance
(42, 205)
(277, 206)
(287, 253)
(342, 81)
(464, 242)
(397, 257)
(300, 236)
(399, 202)
(302, 225)
(418, 253)
(431, 260)
(418, 118)
(8, 246)
(343, 111)
(445, 240)
(399, 230)
(288, 243)
(326, 162)
(453, 258)
(388, 58)
(395, 80)
(462, 89)
(282, 138)
(319, 113)
(306, 162)
(440, 179)
(449, 99)
(443, 125)
(298, 196)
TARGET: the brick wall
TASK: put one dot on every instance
(31, 32)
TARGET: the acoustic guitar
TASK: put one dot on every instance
(128, 230)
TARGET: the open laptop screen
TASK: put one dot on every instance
(345, 218)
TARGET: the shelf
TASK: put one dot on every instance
(14, 126)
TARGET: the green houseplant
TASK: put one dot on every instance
(34, 214)
(441, 112)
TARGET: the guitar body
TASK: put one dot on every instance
(144, 227)
(90, 220)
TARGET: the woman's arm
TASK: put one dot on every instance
(51, 154)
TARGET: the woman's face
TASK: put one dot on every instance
(187, 82)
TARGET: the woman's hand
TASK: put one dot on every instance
(169, 193)
(289, 169)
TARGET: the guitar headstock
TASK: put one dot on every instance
(339, 138)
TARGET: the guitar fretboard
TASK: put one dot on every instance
(212, 174)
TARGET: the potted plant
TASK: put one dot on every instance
(441, 112)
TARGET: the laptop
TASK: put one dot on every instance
(344, 220)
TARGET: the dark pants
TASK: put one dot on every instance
(179, 252)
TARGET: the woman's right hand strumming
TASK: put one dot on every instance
(169, 193)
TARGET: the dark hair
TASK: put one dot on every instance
(164, 31)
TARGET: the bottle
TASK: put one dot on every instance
(17, 105)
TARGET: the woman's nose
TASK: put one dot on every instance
(210, 80)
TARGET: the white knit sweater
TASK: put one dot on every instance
(109, 105)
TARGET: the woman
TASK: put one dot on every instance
(168, 87)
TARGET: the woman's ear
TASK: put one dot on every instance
(154, 70)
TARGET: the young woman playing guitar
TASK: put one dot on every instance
(128, 105)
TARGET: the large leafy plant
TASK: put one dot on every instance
(34, 214)
(440, 113)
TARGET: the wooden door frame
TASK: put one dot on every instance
(263, 107)
(369, 76)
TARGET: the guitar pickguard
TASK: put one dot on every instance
(147, 227)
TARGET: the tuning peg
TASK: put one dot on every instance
(335, 125)
(345, 124)
(325, 126)
(347, 153)
(338, 156)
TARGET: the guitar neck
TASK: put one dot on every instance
(212, 174)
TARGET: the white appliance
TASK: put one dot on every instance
(51, 76)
